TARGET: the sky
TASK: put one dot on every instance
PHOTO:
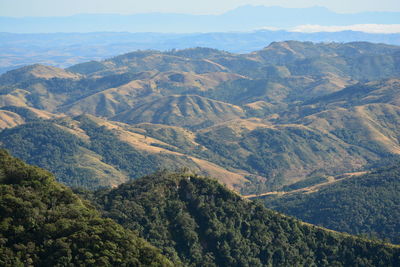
(20, 8)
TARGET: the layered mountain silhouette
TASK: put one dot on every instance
(256, 121)
(67, 49)
(244, 18)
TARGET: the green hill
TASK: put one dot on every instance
(43, 223)
(90, 152)
(364, 205)
(199, 222)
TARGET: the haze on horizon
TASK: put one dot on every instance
(21, 8)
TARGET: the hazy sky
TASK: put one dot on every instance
(70, 7)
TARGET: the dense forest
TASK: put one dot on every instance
(193, 220)
(198, 222)
(366, 205)
(43, 223)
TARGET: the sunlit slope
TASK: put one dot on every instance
(272, 117)
(91, 152)
(182, 110)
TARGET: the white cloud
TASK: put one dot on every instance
(369, 28)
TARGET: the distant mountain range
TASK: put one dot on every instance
(244, 18)
(66, 49)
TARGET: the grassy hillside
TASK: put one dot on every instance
(364, 205)
(182, 110)
(63, 152)
(283, 72)
(44, 224)
(251, 155)
(282, 153)
(90, 152)
(199, 222)
(257, 121)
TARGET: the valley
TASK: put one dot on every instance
(258, 121)
(199, 133)
(285, 125)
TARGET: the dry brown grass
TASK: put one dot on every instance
(9, 119)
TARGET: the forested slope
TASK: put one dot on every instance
(42, 223)
(366, 205)
(199, 222)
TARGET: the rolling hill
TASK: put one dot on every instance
(182, 110)
(90, 152)
(266, 119)
(365, 205)
(272, 122)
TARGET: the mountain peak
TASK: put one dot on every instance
(48, 72)
(37, 71)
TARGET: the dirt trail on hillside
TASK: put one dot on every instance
(310, 189)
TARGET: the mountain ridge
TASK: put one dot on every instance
(268, 118)
(197, 220)
(66, 49)
(255, 17)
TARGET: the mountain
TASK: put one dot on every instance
(67, 49)
(196, 221)
(257, 121)
(36, 71)
(281, 153)
(182, 110)
(245, 18)
(199, 222)
(44, 224)
(358, 115)
(361, 94)
(365, 205)
(90, 152)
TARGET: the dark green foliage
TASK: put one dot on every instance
(198, 222)
(241, 91)
(366, 205)
(115, 152)
(25, 113)
(272, 151)
(42, 223)
(47, 146)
